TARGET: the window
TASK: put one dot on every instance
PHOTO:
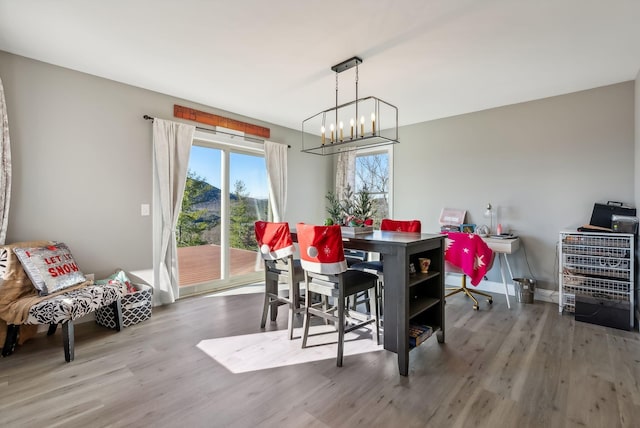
(373, 171)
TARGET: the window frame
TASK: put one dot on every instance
(368, 151)
(230, 142)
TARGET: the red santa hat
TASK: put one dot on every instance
(321, 248)
(400, 225)
(274, 240)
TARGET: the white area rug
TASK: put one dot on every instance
(272, 349)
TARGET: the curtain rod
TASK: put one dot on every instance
(257, 140)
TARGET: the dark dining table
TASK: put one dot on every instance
(407, 296)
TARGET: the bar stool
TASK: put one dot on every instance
(376, 266)
(326, 274)
(276, 248)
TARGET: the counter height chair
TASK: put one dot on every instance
(276, 248)
(376, 266)
(468, 255)
(326, 274)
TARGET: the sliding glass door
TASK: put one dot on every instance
(226, 192)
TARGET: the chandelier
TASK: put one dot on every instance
(363, 122)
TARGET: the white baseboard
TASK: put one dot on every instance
(541, 294)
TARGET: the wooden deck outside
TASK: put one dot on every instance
(202, 263)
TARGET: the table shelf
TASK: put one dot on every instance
(417, 305)
(420, 277)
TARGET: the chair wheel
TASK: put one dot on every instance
(476, 307)
(490, 301)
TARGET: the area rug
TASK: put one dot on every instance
(270, 349)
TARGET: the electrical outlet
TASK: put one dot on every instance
(144, 210)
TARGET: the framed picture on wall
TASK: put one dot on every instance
(468, 228)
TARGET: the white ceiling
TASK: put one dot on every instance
(271, 60)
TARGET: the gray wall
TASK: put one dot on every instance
(82, 159)
(82, 165)
(542, 164)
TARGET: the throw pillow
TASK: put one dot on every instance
(51, 268)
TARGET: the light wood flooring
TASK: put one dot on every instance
(524, 367)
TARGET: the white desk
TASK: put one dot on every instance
(502, 247)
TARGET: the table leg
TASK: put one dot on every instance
(396, 308)
(504, 279)
(506, 259)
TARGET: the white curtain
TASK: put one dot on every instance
(5, 160)
(275, 156)
(345, 172)
(171, 148)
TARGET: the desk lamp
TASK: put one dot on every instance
(489, 213)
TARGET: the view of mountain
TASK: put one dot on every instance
(209, 199)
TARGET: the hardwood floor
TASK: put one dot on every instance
(524, 367)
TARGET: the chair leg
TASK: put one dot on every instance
(10, 340)
(476, 305)
(52, 329)
(468, 292)
(292, 317)
(377, 314)
(268, 303)
(294, 302)
(364, 296)
(305, 326)
(325, 308)
(380, 290)
(68, 341)
(341, 321)
(265, 310)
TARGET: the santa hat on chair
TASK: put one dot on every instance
(401, 225)
(321, 248)
(274, 240)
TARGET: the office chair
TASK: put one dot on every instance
(469, 255)
(326, 274)
(276, 248)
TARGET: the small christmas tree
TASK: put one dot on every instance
(334, 209)
(347, 204)
(363, 205)
(354, 209)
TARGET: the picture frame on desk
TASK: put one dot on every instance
(468, 228)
